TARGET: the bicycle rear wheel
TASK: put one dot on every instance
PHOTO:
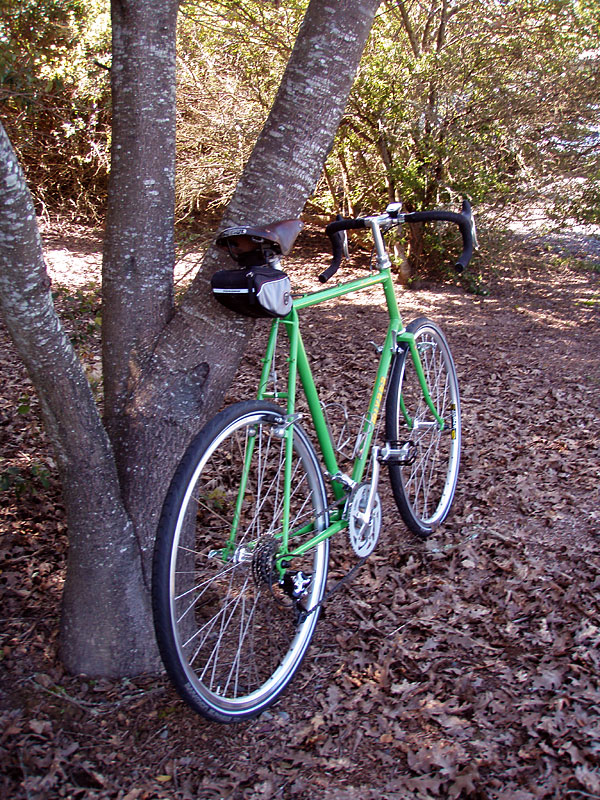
(230, 634)
(424, 483)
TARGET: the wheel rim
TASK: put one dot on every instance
(237, 639)
(429, 481)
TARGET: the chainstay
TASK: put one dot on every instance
(304, 615)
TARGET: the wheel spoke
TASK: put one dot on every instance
(424, 489)
(223, 631)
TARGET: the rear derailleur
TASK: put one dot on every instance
(264, 571)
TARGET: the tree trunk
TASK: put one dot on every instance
(106, 616)
(332, 189)
(347, 198)
(166, 369)
(139, 249)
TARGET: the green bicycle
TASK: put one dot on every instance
(241, 559)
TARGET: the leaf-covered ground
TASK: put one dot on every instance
(464, 667)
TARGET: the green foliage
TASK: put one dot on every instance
(27, 44)
(473, 282)
(54, 98)
(575, 263)
(24, 406)
(80, 310)
(231, 57)
(579, 199)
(25, 480)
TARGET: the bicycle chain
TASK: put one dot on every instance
(263, 572)
(306, 614)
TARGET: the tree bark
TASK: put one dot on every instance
(104, 604)
(139, 249)
(166, 369)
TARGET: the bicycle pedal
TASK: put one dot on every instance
(398, 454)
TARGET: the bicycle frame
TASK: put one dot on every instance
(242, 555)
(396, 339)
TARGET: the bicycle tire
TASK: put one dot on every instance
(424, 489)
(230, 640)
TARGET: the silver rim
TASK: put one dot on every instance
(237, 640)
(430, 481)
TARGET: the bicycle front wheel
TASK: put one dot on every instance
(424, 480)
(232, 629)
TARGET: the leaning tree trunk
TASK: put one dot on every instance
(104, 602)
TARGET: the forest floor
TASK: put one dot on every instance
(467, 666)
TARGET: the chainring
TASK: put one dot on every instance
(363, 535)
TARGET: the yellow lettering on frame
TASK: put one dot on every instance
(378, 399)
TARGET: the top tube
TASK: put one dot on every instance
(322, 295)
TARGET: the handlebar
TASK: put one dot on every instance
(334, 230)
(465, 222)
(394, 216)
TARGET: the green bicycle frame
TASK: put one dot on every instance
(298, 367)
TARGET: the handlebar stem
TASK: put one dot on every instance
(373, 223)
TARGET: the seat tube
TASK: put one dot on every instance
(268, 360)
(377, 396)
(293, 334)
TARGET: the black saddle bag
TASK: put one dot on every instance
(254, 291)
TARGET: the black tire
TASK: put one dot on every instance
(424, 489)
(230, 638)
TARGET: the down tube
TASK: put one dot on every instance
(321, 428)
(375, 403)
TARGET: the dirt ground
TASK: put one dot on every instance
(467, 666)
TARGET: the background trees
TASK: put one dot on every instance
(494, 99)
(54, 99)
(231, 57)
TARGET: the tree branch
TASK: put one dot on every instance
(409, 29)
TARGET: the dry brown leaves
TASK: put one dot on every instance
(464, 667)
